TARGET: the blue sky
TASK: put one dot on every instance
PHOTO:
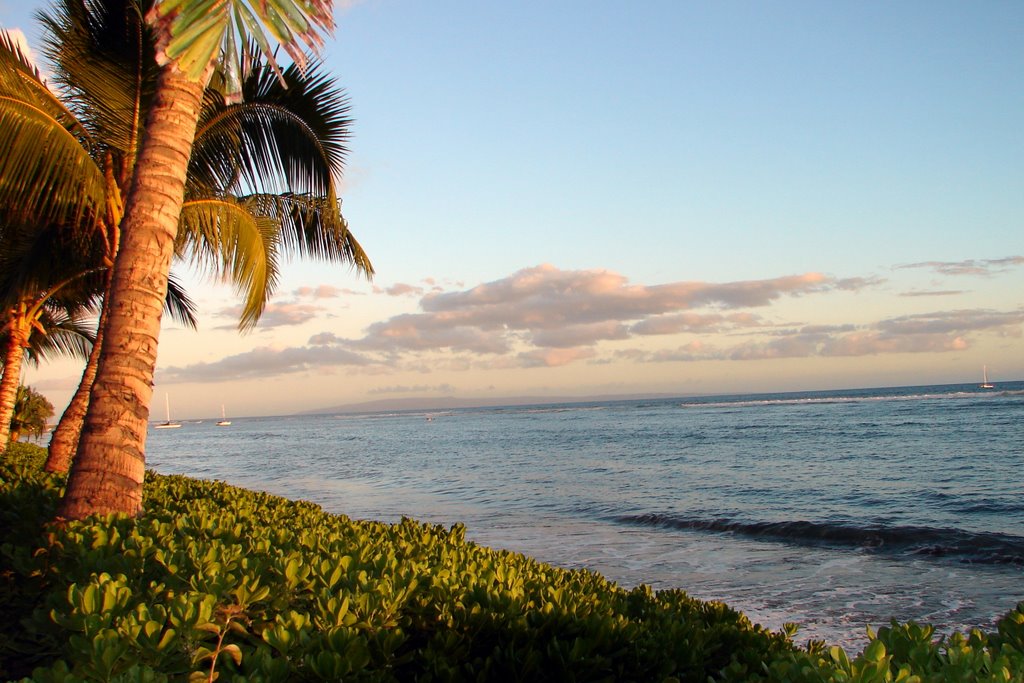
(578, 198)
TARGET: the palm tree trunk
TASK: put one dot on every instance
(64, 440)
(107, 473)
(15, 352)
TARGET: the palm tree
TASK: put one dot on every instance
(59, 210)
(34, 331)
(46, 287)
(31, 411)
(30, 316)
(191, 35)
(300, 129)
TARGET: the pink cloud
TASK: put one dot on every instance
(546, 296)
(694, 323)
(402, 289)
(547, 317)
(873, 343)
(322, 292)
(551, 358)
(579, 335)
(277, 314)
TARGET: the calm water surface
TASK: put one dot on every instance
(836, 510)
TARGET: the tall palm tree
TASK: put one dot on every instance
(60, 206)
(277, 137)
(191, 36)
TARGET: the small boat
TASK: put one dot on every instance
(223, 421)
(168, 424)
(984, 379)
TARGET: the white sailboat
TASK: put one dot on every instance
(223, 421)
(984, 379)
(168, 424)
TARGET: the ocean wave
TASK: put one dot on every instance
(959, 544)
(896, 394)
(556, 409)
(826, 400)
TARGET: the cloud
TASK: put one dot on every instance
(545, 296)
(548, 307)
(953, 322)
(981, 267)
(288, 314)
(876, 342)
(793, 346)
(294, 312)
(694, 323)
(565, 314)
(855, 284)
(546, 317)
(264, 362)
(944, 292)
(402, 289)
(936, 332)
(695, 350)
(324, 339)
(324, 292)
(285, 314)
(411, 331)
(580, 335)
(447, 389)
(550, 358)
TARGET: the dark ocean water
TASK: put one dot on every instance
(836, 510)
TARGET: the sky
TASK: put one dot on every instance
(579, 198)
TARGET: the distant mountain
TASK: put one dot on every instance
(453, 402)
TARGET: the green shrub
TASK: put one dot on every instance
(213, 582)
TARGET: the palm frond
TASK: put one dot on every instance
(197, 31)
(21, 81)
(45, 173)
(287, 135)
(223, 239)
(179, 305)
(36, 258)
(311, 227)
(102, 58)
(63, 334)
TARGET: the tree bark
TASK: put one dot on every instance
(108, 469)
(15, 352)
(64, 440)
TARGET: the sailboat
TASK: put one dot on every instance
(168, 424)
(223, 421)
(984, 379)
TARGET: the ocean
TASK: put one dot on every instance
(836, 510)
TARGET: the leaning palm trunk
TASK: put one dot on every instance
(108, 469)
(17, 339)
(64, 440)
